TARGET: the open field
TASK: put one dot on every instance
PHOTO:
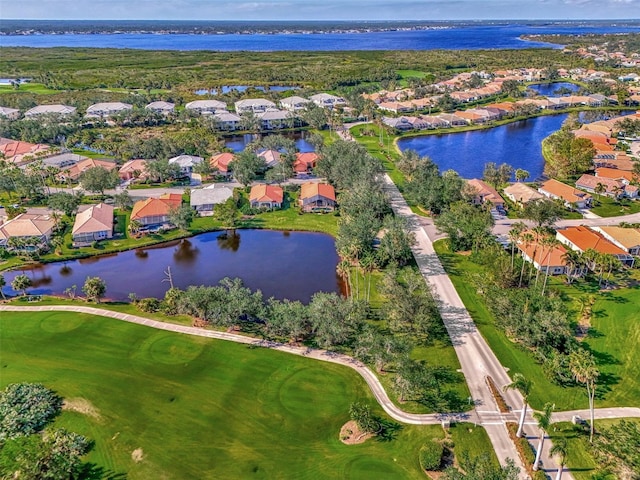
(37, 88)
(199, 408)
(614, 340)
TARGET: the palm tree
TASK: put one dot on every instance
(527, 239)
(343, 269)
(584, 370)
(514, 234)
(560, 449)
(544, 421)
(574, 262)
(599, 190)
(521, 384)
(521, 174)
(134, 226)
(552, 243)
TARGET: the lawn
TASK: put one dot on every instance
(200, 408)
(28, 88)
(613, 338)
(608, 207)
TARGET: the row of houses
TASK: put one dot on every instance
(622, 243)
(210, 107)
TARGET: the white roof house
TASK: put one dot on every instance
(161, 107)
(274, 118)
(186, 163)
(294, 103)
(10, 113)
(326, 100)
(50, 109)
(206, 106)
(106, 109)
(63, 160)
(203, 199)
(255, 105)
(226, 120)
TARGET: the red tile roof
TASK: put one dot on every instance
(266, 193)
(584, 239)
(312, 189)
(152, 207)
(305, 161)
(221, 161)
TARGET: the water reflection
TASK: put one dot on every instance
(186, 253)
(229, 240)
(66, 270)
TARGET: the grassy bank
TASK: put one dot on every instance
(201, 408)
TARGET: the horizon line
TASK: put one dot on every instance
(628, 20)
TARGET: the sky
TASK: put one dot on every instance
(318, 9)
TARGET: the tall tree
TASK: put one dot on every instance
(98, 179)
(246, 166)
(467, 226)
(94, 288)
(20, 283)
(560, 449)
(544, 422)
(521, 384)
(584, 369)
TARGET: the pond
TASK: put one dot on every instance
(518, 144)
(244, 88)
(553, 89)
(292, 265)
(237, 143)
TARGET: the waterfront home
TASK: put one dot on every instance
(399, 123)
(274, 119)
(93, 224)
(227, 121)
(294, 103)
(63, 160)
(317, 197)
(220, 163)
(106, 109)
(612, 188)
(628, 239)
(133, 170)
(326, 100)
(186, 163)
(27, 231)
(485, 193)
(164, 108)
(255, 105)
(266, 196)
(452, 119)
(19, 152)
(305, 163)
(154, 212)
(10, 113)
(271, 158)
(471, 116)
(204, 199)
(572, 197)
(582, 238)
(521, 194)
(551, 260)
(205, 107)
(624, 176)
(61, 110)
(74, 171)
(434, 121)
(397, 107)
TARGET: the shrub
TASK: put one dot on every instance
(25, 408)
(431, 455)
(149, 305)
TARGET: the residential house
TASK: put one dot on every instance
(206, 107)
(452, 119)
(10, 113)
(271, 158)
(220, 163)
(305, 163)
(471, 116)
(274, 119)
(154, 212)
(485, 193)
(34, 230)
(20, 153)
(582, 238)
(628, 239)
(266, 196)
(611, 188)
(133, 170)
(399, 123)
(74, 171)
(63, 160)
(294, 103)
(106, 109)
(204, 199)
(326, 100)
(521, 194)
(549, 260)
(227, 121)
(255, 105)
(62, 110)
(317, 197)
(164, 108)
(624, 176)
(572, 197)
(186, 163)
(92, 224)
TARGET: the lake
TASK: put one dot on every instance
(455, 37)
(549, 89)
(237, 143)
(243, 88)
(292, 265)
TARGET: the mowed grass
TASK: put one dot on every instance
(608, 207)
(200, 408)
(613, 339)
(28, 88)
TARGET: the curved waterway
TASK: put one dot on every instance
(292, 265)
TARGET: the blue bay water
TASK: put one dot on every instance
(454, 38)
